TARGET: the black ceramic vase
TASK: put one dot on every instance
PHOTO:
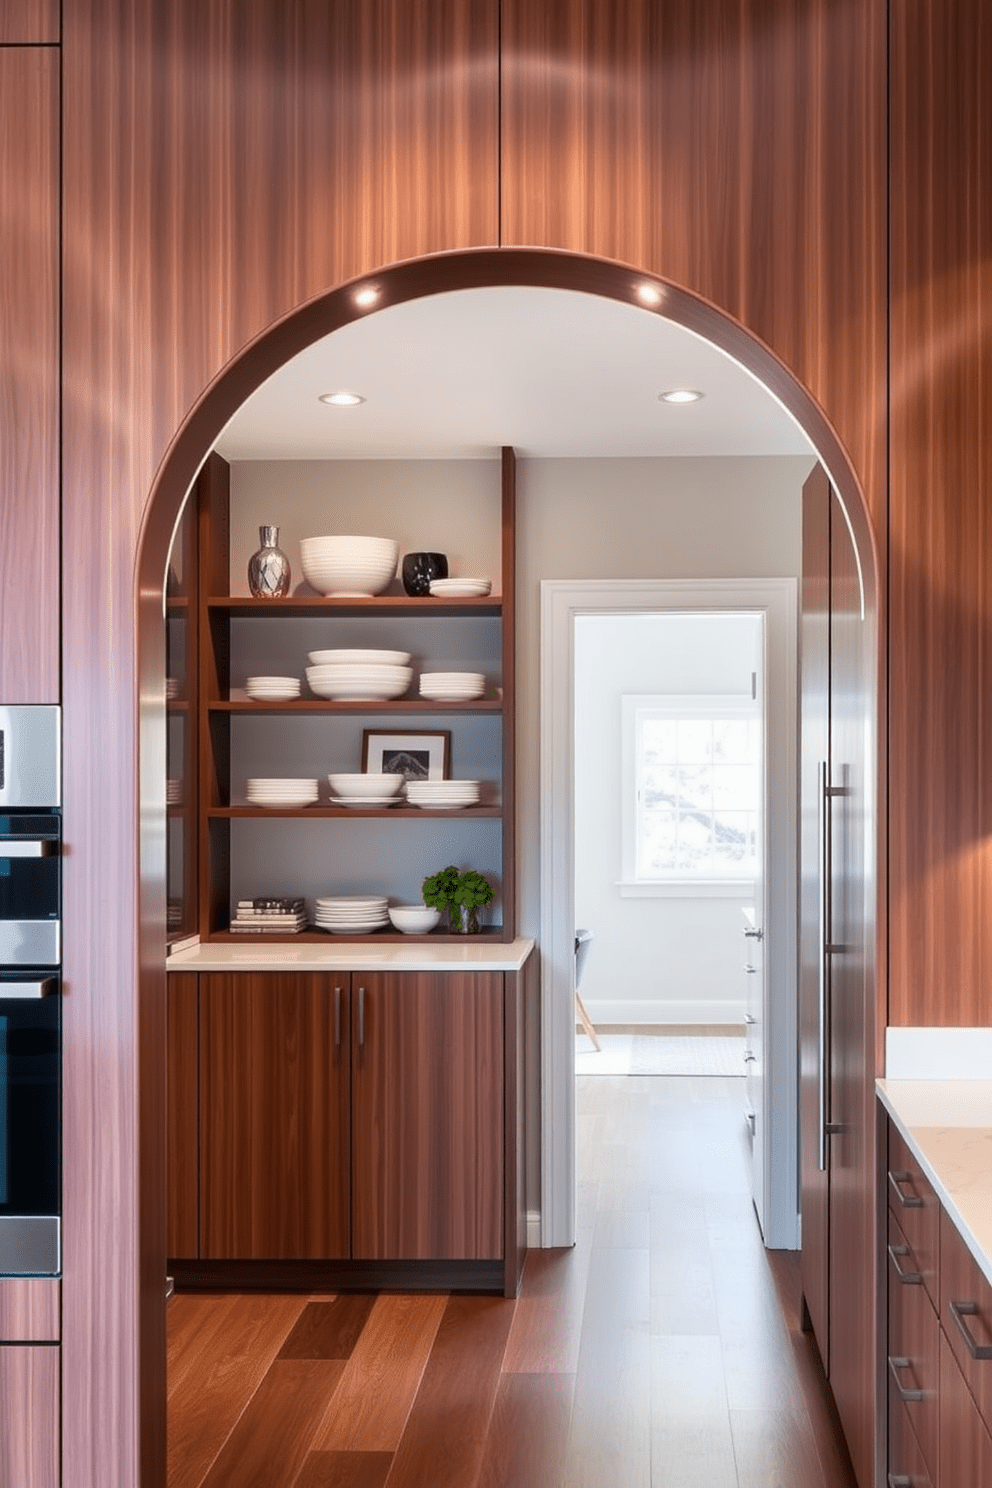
(420, 568)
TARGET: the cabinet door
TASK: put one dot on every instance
(427, 1116)
(29, 376)
(274, 1127)
(965, 1444)
(29, 1416)
(182, 1120)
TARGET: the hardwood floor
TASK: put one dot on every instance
(663, 1351)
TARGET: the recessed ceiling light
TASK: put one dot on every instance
(649, 294)
(680, 395)
(366, 296)
(342, 399)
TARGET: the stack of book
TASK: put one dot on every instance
(273, 916)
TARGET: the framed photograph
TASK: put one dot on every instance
(422, 756)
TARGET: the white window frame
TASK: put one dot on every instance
(631, 884)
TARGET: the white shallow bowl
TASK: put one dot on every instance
(358, 658)
(359, 689)
(366, 785)
(359, 566)
(414, 919)
(462, 588)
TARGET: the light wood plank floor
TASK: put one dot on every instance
(663, 1351)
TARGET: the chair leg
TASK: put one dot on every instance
(586, 1022)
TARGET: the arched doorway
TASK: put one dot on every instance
(340, 307)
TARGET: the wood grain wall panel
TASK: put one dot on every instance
(941, 533)
(29, 375)
(223, 163)
(29, 1309)
(29, 1417)
(29, 22)
(737, 148)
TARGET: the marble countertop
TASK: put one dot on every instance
(351, 955)
(948, 1126)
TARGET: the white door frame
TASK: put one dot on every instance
(561, 601)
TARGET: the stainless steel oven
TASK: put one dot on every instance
(30, 986)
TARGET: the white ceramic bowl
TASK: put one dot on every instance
(358, 658)
(366, 785)
(414, 919)
(461, 588)
(349, 566)
(360, 688)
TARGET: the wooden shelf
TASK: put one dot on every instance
(419, 706)
(393, 813)
(312, 936)
(246, 607)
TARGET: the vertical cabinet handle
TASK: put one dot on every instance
(361, 1016)
(823, 813)
(337, 1017)
(959, 1311)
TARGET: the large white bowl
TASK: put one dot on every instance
(358, 658)
(366, 785)
(414, 919)
(360, 688)
(349, 566)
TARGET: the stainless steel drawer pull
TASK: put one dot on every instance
(23, 848)
(750, 1058)
(908, 1201)
(959, 1311)
(908, 1278)
(361, 1016)
(337, 1017)
(750, 1020)
(754, 934)
(894, 1367)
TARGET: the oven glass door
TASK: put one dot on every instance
(30, 1134)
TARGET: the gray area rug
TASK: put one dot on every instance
(660, 1054)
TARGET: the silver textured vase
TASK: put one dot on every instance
(268, 569)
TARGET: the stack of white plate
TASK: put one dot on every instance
(360, 792)
(359, 682)
(350, 567)
(461, 588)
(452, 687)
(273, 689)
(351, 656)
(442, 795)
(285, 795)
(351, 914)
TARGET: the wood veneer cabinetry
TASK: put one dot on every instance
(224, 814)
(358, 1118)
(939, 1339)
(29, 374)
(29, 1416)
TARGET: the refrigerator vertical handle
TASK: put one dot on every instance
(823, 812)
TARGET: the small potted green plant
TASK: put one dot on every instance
(461, 894)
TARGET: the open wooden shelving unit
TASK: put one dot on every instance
(216, 709)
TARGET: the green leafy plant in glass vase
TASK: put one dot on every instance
(461, 894)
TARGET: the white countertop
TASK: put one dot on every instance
(352, 955)
(948, 1126)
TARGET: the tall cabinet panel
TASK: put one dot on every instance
(837, 1003)
(29, 375)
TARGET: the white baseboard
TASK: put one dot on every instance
(533, 1229)
(661, 1010)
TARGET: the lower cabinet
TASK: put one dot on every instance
(939, 1340)
(29, 1415)
(359, 1117)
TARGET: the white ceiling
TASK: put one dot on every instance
(552, 372)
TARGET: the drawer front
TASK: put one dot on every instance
(914, 1203)
(966, 1315)
(907, 1468)
(913, 1350)
(965, 1444)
